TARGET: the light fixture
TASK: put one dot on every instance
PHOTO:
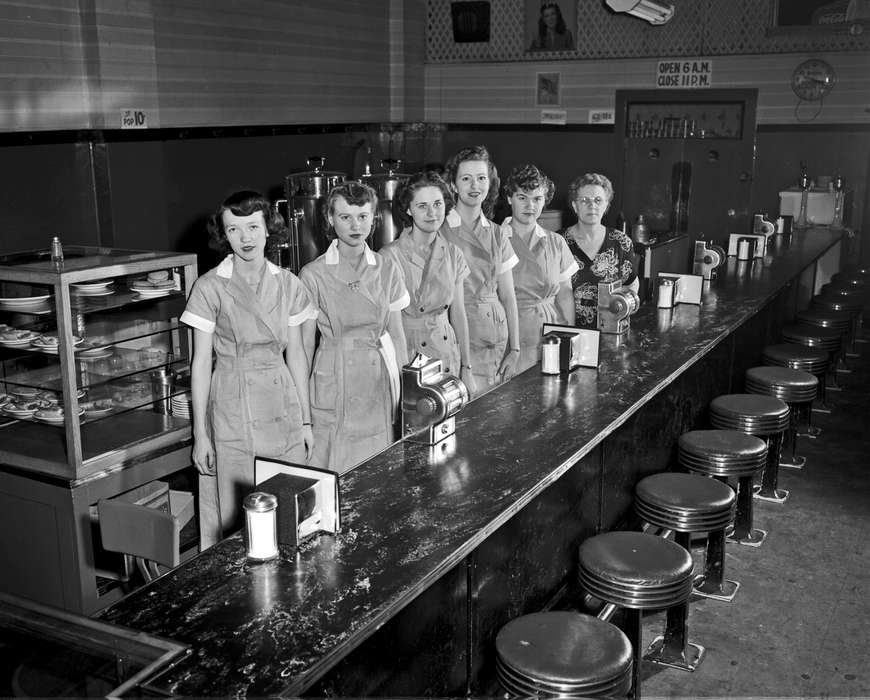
(652, 12)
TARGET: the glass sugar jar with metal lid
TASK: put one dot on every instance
(261, 526)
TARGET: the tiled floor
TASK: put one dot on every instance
(800, 623)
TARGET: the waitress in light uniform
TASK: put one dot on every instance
(490, 302)
(542, 278)
(434, 271)
(253, 398)
(359, 298)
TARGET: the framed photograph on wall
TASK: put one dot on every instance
(547, 94)
(550, 25)
(819, 16)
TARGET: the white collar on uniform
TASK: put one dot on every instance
(454, 220)
(225, 268)
(507, 230)
(330, 257)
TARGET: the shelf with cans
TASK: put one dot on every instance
(93, 359)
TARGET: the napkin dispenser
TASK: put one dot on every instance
(616, 303)
(431, 398)
(708, 259)
(307, 498)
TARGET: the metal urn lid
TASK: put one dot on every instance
(316, 182)
(386, 184)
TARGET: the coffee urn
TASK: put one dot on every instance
(306, 194)
(386, 184)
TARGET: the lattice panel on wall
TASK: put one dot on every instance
(699, 27)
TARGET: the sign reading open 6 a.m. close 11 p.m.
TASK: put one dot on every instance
(684, 73)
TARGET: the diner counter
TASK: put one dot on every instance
(429, 548)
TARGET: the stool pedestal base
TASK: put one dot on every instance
(724, 590)
(794, 462)
(774, 496)
(673, 649)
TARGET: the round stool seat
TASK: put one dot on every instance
(825, 318)
(684, 502)
(801, 357)
(726, 453)
(852, 306)
(789, 385)
(848, 278)
(635, 570)
(755, 414)
(847, 291)
(563, 653)
(813, 336)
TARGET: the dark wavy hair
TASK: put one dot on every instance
(425, 178)
(356, 194)
(561, 27)
(526, 178)
(476, 153)
(245, 203)
(590, 179)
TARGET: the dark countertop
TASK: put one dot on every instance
(275, 628)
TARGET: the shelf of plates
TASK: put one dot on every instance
(93, 360)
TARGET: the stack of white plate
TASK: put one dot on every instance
(97, 288)
(181, 405)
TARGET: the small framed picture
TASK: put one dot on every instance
(550, 25)
(547, 91)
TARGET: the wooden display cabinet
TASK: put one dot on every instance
(80, 418)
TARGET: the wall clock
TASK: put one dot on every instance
(813, 79)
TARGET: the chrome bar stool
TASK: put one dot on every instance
(806, 359)
(637, 571)
(563, 654)
(854, 307)
(816, 337)
(728, 454)
(686, 504)
(828, 318)
(798, 389)
(764, 416)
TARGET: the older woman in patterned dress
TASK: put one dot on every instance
(602, 254)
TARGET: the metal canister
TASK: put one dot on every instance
(665, 293)
(550, 354)
(306, 193)
(261, 526)
(386, 184)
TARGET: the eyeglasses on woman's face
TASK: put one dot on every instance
(589, 201)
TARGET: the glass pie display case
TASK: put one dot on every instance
(94, 403)
(92, 357)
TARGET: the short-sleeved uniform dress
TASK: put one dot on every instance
(544, 265)
(355, 379)
(253, 405)
(615, 260)
(431, 282)
(488, 254)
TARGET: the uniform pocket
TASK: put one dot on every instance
(487, 324)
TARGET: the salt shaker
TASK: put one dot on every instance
(550, 354)
(261, 531)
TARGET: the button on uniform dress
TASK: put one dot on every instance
(544, 265)
(253, 406)
(355, 380)
(488, 254)
(430, 282)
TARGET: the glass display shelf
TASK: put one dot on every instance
(87, 347)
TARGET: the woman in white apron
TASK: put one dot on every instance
(542, 278)
(434, 271)
(252, 399)
(490, 302)
(359, 297)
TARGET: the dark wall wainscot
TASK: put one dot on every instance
(438, 550)
(155, 189)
